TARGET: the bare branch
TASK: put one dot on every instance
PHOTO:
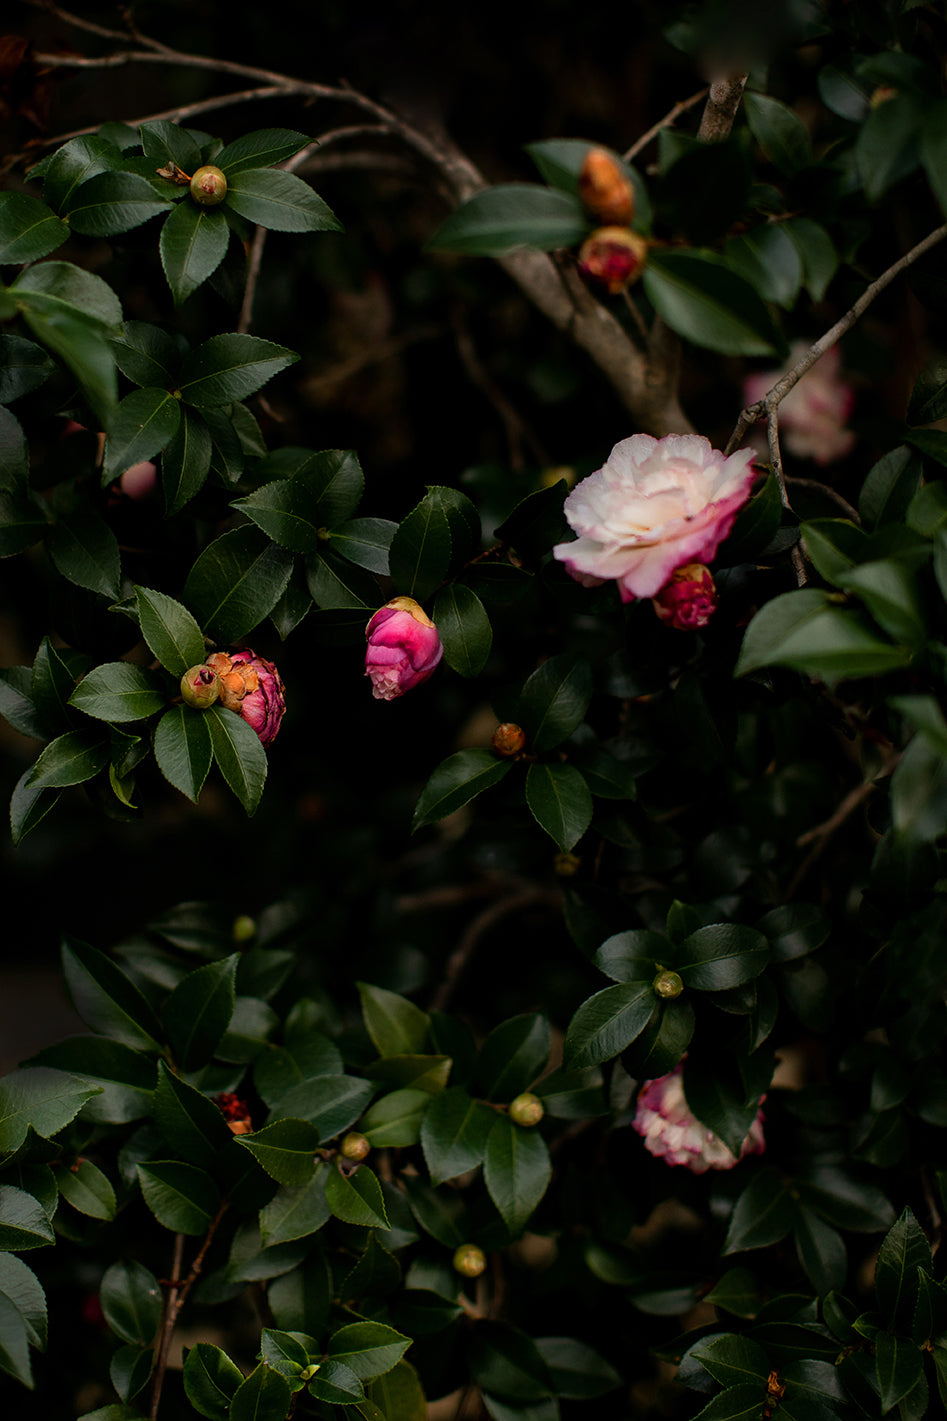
(481, 924)
(787, 382)
(721, 108)
(828, 492)
(669, 118)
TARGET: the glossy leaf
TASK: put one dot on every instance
(560, 802)
(230, 367)
(193, 244)
(279, 201)
(181, 1197)
(40, 1098)
(236, 582)
(186, 462)
(264, 1396)
(554, 700)
(107, 1000)
(763, 1214)
(356, 1199)
(144, 423)
(184, 749)
(513, 1055)
(500, 219)
(23, 1222)
(28, 229)
(198, 1012)
(464, 629)
(420, 551)
(608, 1022)
(456, 781)
(86, 1188)
(239, 753)
(286, 1149)
(70, 759)
(260, 149)
(119, 692)
(369, 1348)
(701, 299)
(802, 630)
(131, 1301)
(721, 955)
(516, 1170)
(454, 1134)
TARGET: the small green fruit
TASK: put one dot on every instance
(354, 1147)
(208, 186)
(526, 1109)
(470, 1260)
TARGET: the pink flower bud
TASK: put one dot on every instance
(139, 482)
(251, 686)
(615, 256)
(672, 1133)
(689, 600)
(403, 648)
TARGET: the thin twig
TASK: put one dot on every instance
(77, 21)
(254, 262)
(178, 1291)
(820, 835)
(830, 493)
(482, 923)
(787, 382)
(669, 118)
(776, 462)
(518, 431)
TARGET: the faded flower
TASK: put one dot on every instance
(251, 686)
(671, 1132)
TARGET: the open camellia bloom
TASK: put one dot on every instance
(655, 505)
(251, 686)
(403, 648)
(812, 415)
(672, 1133)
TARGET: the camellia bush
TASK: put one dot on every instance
(578, 1047)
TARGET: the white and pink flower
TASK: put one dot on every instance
(655, 505)
(812, 416)
(672, 1133)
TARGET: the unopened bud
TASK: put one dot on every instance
(355, 1147)
(566, 865)
(689, 600)
(509, 739)
(667, 985)
(526, 1110)
(613, 256)
(236, 1113)
(244, 928)
(470, 1260)
(208, 186)
(605, 189)
(199, 687)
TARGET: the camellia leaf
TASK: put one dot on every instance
(239, 753)
(779, 131)
(607, 1023)
(369, 1348)
(230, 367)
(336, 1382)
(804, 631)
(87, 1189)
(516, 1170)
(28, 229)
(210, 1380)
(464, 629)
(170, 631)
(397, 1027)
(297, 511)
(107, 1000)
(763, 1215)
(508, 1363)
(454, 1134)
(264, 1396)
(14, 1343)
(198, 1012)
(553, 702)
(721, 955)
(144, 423)
(70, 759)
(236, 582)
(131, 1300)
(182, 1198)
(719, 1102)
(905, 1249)
(113, 202)
(190, 1123)
(193, 244)
(118, 692)
(186, 461)
(420, 551)
(74, 163)
(260, 149)
(23, 1221)
(279, 201)
(456, 781)
(500, 219)
(286, 1149)
(395, 1120)
(701, 299)
(184, 749)
(513, 1055)
(560, 802)
(296, 1211)
(85, 551)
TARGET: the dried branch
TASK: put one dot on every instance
(669, 118)
(820, 835)
(481, 924)
(518, 432)
(721, 108)
(830, 493)
(787, 382)
(178, 1290)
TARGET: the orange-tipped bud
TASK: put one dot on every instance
(509, 740)
(614, 256)
(605, 189)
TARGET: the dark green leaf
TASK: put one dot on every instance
(170, 631)
(198, 1012)
(286, 1149)
(633, 956)
(296, 511)
(23, 1222)
(721, 955)
(898, 1368)
(890, 592)
(794, 930)
(24, 367)
(336, 1382)
(28, 229)
(369, 1348)
(21, 1287)
(147, 354)
(186, 462)
(14, 1342)
(356, 1199)
(505, 1361)
(513, 1055)
(804, 631)
(464, 629)
(720, 1101)
(131, 1301)
(264, 1396)
(230, 367)
(184, 749)
(182, 1198)
(560, 802)
(210, 1380)
(145, 421)
(85, 551)
(763, 1215)
(193, 244)
(260, 149)
(75, 162)
(845, 1201)
(114, 202)
(397, 1027)
(21, 522)
(701, 299)
(577, 1370)
(87, 1189)
(236, 582)
(296, 1211)
(279, 201)
(821, 1251)
(454, 1134)
(736, 1293)
(71, 759)
(119, 692)
(516, 1170)
(890, 486)
(817, 251)
(365, 542)
(420, 551)
(190, 1123)
(608, 1022)
(500, 219)
(331, 1102)
(554, 700)
(456, 781)
(779, 131)
(239, 753)
(107, 1000)
(887, 146)
(768, 258)
(904, 1250)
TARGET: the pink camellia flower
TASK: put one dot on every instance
(251, 686)
(671, 1132)
(689, 600)
(811, 416)
(403, 648)
(655, 505)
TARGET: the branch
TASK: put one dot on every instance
(721, 108)
(177, 1296)
(482, 923)
(822, 833)
(829, 493)
(815, 352)
(669, 118)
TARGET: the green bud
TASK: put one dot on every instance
(667, 984)
(208, 186)
(526, 1110)
(470, 1260)
(199, 687)
(354, 1147)
(244, 928)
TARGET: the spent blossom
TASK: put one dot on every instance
(655, 505)
(403, 648)
(251, 686)
(672, 1133)
(812, 416)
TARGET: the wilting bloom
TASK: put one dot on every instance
(655, 505)
(605, 189)
(689, 600)
(615, 256)
(403, 648)
(236, 1112)
(251, 686)
(671, 1132)
(812, 415)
